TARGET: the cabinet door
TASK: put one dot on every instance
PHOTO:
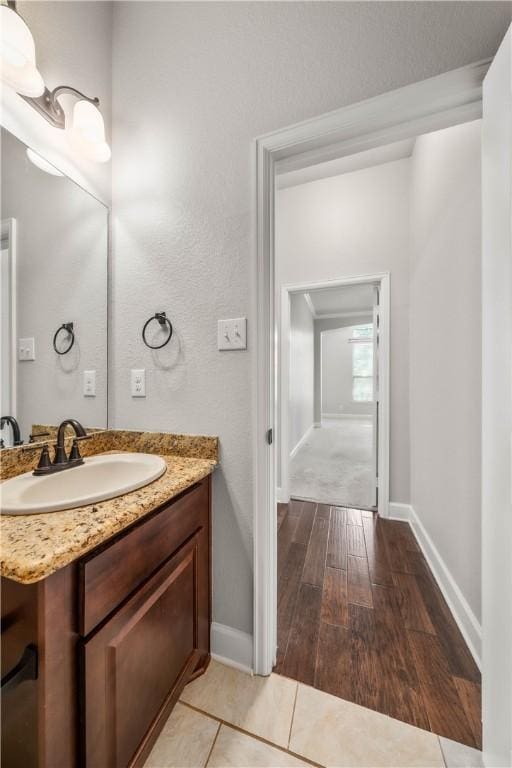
(135, 665)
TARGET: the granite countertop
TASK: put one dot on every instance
(35, 546)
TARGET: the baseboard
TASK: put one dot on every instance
(466, 620)
(231, 647)
(281, 499)
(346, 415)
(464, 617)
(302, 440)
(399, 511)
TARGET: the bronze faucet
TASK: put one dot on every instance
(60, 460)
(15, 427)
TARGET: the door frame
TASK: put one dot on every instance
(383, 279)
(8, 232)
(438, 102)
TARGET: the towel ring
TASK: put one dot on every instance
(68, 328)
(162, 318)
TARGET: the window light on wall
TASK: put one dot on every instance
(362, 363)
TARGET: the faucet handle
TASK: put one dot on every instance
(35, 435)
(74, 455)
(44, 464)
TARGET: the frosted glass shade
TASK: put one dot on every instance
(87, 132)
(18, 55)
(42, 164)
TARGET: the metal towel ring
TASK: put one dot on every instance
(163, 320)
(68, 327)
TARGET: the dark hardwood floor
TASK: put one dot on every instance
(361, 616)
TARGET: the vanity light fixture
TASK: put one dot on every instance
(18, 54)
(42, 164)
(86, 129)
(86, 132)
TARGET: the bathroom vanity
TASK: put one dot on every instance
(107, 608)
(105, 579)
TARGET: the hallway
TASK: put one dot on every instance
(333, 464)
(361, 617)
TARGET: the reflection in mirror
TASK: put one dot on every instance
(53, 299)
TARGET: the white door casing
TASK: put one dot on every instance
(497, 409)
(376, 394)
(8, 338)
(283, 377)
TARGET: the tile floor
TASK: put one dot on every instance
(230, 718)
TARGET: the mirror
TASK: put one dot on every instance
(53, 299)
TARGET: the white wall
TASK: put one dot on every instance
(301, 372)
(73, 47)
(337, 382)
(357, 224)
(445, 330)
(194, 83)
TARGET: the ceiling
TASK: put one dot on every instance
(388, 153)
(342, 299)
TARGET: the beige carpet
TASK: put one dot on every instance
(334, 464)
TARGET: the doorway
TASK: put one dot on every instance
(359, 612)
(333, 369)
(449, 99)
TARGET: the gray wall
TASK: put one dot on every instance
(357, 224)
(193, 84)
(301, 376)
(337, 374)
(445, 379)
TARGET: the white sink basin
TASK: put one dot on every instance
(99, 478)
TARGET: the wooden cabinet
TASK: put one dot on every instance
(134, 663)
(119, 634)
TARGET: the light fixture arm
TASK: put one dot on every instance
(49, 107)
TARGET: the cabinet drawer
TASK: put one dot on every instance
(108, 577)
(135, 666)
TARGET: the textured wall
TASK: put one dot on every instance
(193, 84)
(446, 370)
(357, 224)
(302, 339)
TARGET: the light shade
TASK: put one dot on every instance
(18, 55)
(87, 132)
(42, 164)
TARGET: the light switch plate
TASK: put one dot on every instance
(232, 334)
(138, 382)
(26, 349)
(89, 383)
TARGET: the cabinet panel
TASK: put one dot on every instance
(19, 706)
(136, 660)
(108, 576)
